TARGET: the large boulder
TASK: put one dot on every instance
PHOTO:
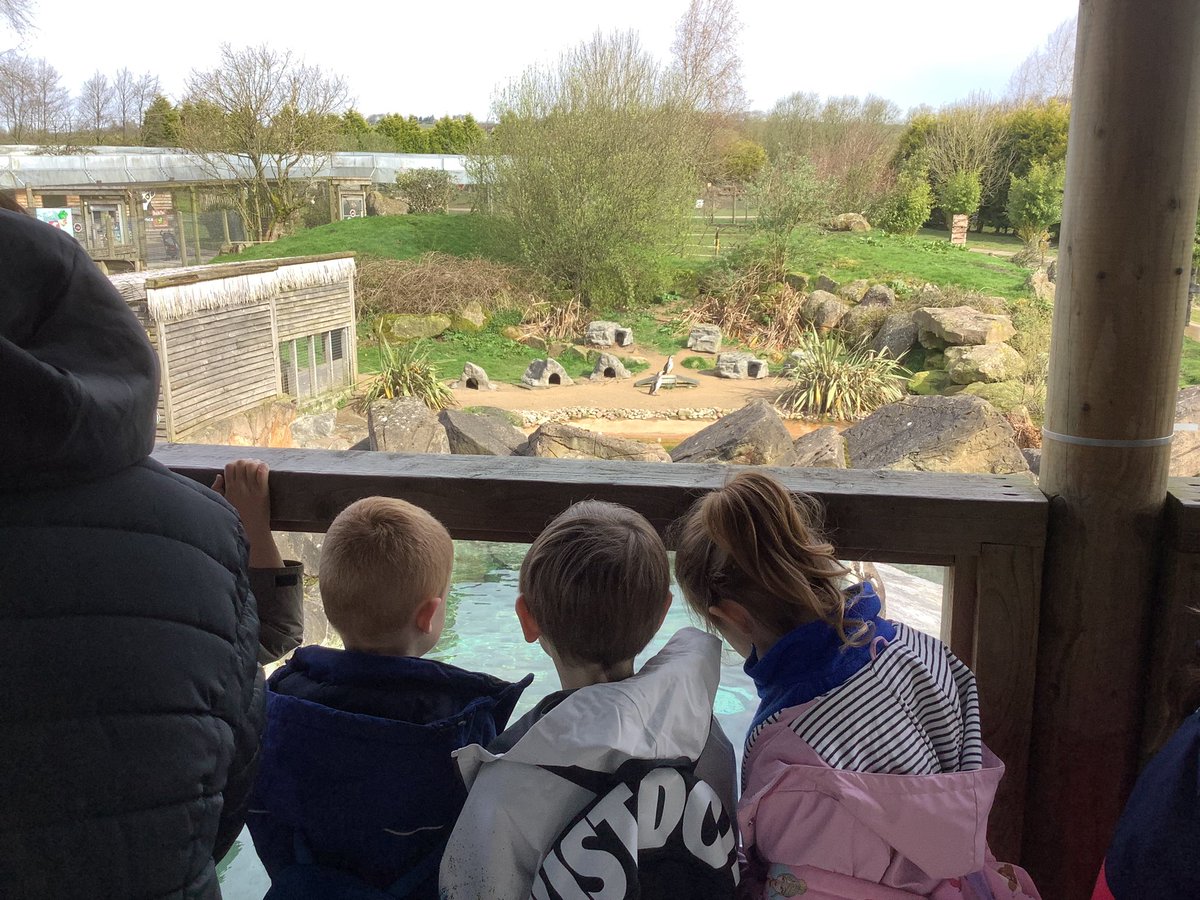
(958, 326)
(854, 291)
(797, 281)
(608, 367)
(474, 378)
(879, 295)
(825, 283)
(754, 435)
(740, 364)
(405, 425)
(935, 434)
(862, 322)
(1006, 396)
(481, 434)
(607, 334)
(704, 339)
(1040, 285)
(396, 328)
(543, 373)
(824, 311)
(470, 317)
(986, 362)
(1185, 448)
(568, 442)
(849, 222)
(380, 205)
(929, 383)
(896, 335)
(824, 448)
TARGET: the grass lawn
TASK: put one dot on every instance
(392, 237)
(989, 240)
(1189, 364)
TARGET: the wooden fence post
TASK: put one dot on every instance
(1127, 229)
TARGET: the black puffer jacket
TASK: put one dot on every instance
(130, 699)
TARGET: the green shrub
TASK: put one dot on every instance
(829, 378)
(426, 190)
(406, 372)
(906, 207)
(1035, 202)
(697, 362)
(960, 193)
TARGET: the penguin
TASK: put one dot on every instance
(668, 365)
(658, 380)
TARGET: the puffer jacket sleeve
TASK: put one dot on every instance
(280, 600)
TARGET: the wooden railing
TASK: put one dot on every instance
(988, 530)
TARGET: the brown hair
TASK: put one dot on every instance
(381, 559)
(755, 542)
(9, 202)
(596, 582)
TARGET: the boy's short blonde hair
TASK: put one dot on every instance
(597, 582)
(381, 559)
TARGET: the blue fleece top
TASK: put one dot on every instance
(811, 660)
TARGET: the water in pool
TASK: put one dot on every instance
(482, 633)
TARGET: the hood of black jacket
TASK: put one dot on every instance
(78, 377)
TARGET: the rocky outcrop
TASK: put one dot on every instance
(824, 311)
(824, 448)
(544, 373)
(608, 367)
(334, 429)
(1004, 395)
(704, 339)
(1185, 448)
(396, 328)
(474, 378)
(607, 334)
(849, 222)
(879, 295)
(989, 363)
(754, 436)
(1040, 285)
(405, 425)
(897, 335)
(740, 364)
(1033, 458)
(935, 434)
(854, 291)
(470, 317)
(481, 434)
(929, 382)
(267, 425)
(825, 283)
(568, 442)
(956, 326)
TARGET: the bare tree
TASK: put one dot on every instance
(95, 104)
(131, 95)
(1048, 72)
(15, 95)
(969, 137)
(707, 64)
(50, 101)
(267, 121)
(17, 15)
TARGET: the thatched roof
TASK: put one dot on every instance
(172, 294)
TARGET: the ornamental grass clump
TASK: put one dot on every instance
(830, 378)
(406, 372)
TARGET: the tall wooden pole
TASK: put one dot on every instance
(1129, 212)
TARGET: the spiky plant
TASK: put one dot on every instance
(845, 382)
(406, 372)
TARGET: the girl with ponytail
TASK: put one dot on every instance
(864, 765)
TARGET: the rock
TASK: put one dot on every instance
(600, 334)
(512, 332)
(795, 358)
(609, 367)
(1033, 458)
(304, 547)
(897, 335)
(1185, 448)
(308, 429)
(740, 364)
(380, 205)
(1004, 395)
(935, 434)
(797, 281)
(477, 434)
(854, 291)
(849, 222)
(705, 339)
(824, 448)
(879, 295)
(825, 283)
(1040, 285)
(405, 425)
(754, 435)
(624, 337)
(987, 362)
(533, 342)
(470, 318)
(862, 322)
(397, 328)
(1052, 271)
(956, 326)
(935, 359)
(929, 382)
(824, 311)
(929, 295)
(544, 373)
(568, 442)
(474, 378)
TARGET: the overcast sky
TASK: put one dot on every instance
(433, 58)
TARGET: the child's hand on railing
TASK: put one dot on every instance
(244, 483)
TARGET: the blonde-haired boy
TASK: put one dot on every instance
(357, 780)
(594, 590)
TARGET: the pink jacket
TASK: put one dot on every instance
(831, 834)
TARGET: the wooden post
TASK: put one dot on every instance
(312, 366)
(225, 226)
(334, 213)
(196, 228)
(29, 204)
(165, 381)
(1127, 229)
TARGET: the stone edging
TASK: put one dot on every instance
(534, 417)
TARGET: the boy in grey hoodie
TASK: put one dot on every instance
(594, 590)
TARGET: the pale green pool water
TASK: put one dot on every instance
(482, 634)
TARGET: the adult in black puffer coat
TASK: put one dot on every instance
(130, 696)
